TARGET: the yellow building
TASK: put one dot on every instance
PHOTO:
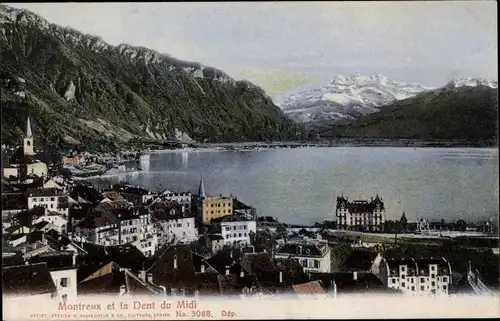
(214, 207)
(73, 161)
(75, 158)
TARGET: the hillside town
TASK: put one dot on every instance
(63, 238)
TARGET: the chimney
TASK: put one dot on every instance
(334, 289)
(164, 289)
(150, 277)
(142, 275)
(175, 262)
(231, 253)
(281, 277)
(73, 259)
(227, 270)
(242, 273)
(123, 290)
(202, 268)
(355, 275)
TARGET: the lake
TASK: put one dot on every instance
(301, 185)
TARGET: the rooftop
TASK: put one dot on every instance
(41, 192)
(360, 259)
(304, 248)
(231, 218)
(175, 268)
(27, 280)
(309, 288)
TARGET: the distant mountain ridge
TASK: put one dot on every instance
(346, 98)
(466, 113)
(472, 82)
(76, 86)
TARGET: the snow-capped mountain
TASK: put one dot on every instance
(345, 98)
(472, 82)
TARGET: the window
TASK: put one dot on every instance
(433, 283)
(445, 279)
(393, 280)
(422, 280)
(239, 234)
(64, 282)
(403, 284)
(422, 288)
(413, 288)
(42, 199)
(411, 280)
(433, 268)
(444, 287)
(52, 199)
(316, 264)
(65, 297)
(433, 276)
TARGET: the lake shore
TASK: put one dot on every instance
(342, 142)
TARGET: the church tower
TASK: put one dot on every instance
(201, 188)
(28, 140)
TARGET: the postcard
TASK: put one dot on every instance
(249, 160)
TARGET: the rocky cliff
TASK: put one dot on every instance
(77, 87)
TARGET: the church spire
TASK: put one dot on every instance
(29, 134)
(201, 188)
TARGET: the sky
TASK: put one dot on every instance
(282, 46)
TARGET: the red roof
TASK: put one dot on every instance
(313, 287)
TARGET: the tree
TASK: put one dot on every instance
(461, 225)
(443, 224)
(403, 223)
(281, 230)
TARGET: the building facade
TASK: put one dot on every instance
(215, 207)
(360, 215)
(49, 198)
(65, 281)
(181, 229)
(235, 229)
(55, 221)
(313, 256)
(419, 277)
(183, 198)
